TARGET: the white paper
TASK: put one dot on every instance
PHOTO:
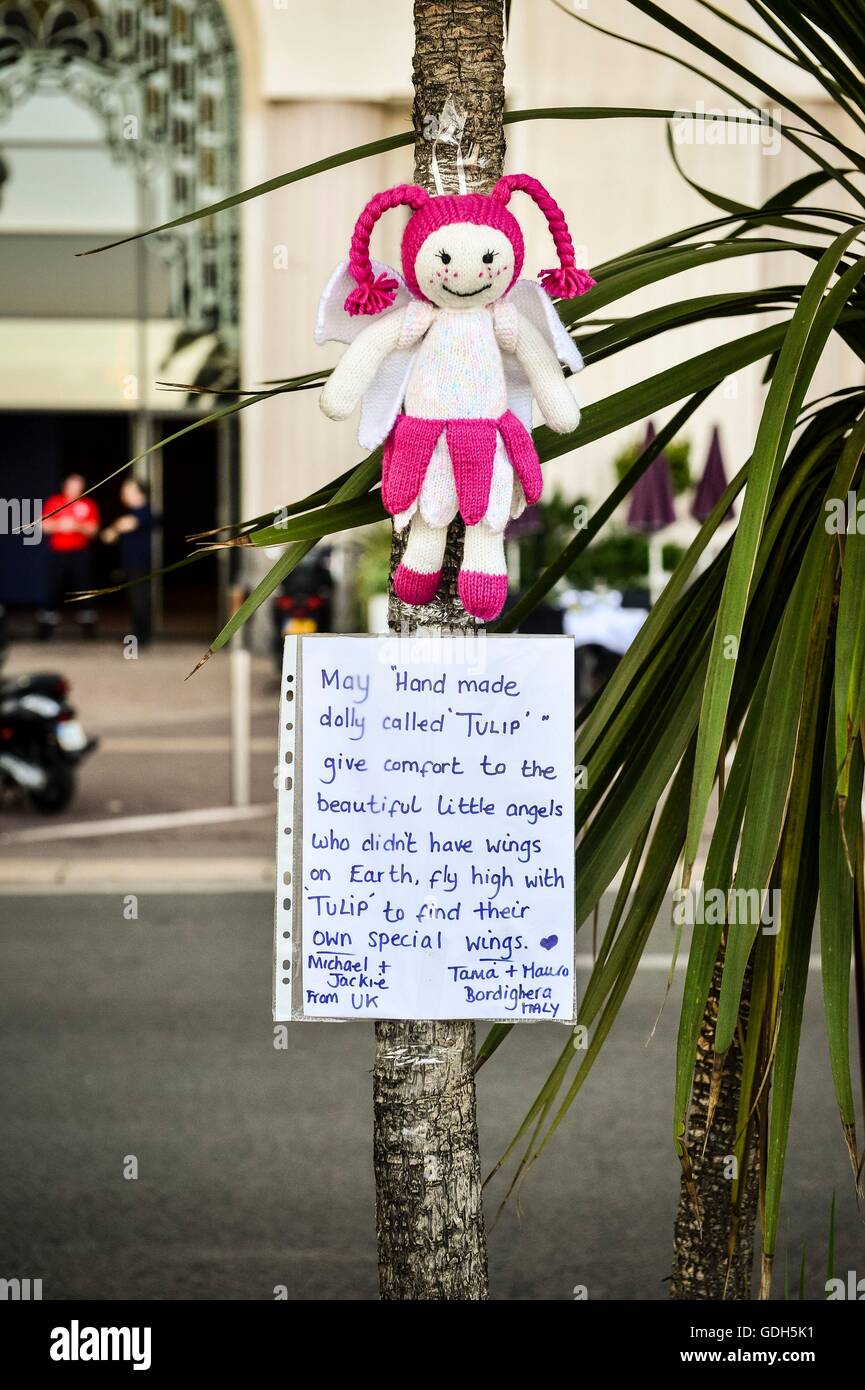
(436, 837)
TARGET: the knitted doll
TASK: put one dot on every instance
(447, 372)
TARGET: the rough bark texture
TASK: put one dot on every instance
(431, 1238)
(459, 55)
(713, 1255)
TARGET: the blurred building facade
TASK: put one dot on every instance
(119, 114)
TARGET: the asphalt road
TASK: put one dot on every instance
(151, 1039)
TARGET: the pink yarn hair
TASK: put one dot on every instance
(567, 280)
(375, 293)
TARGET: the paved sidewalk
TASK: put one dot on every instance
(23, 877)
(158, 787)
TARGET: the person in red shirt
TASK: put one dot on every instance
(70, 537)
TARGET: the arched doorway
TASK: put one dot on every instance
(115, 115)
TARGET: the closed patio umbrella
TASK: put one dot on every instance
(652, 510)
(712, 484)
(651, 507)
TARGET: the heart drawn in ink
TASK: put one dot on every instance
(548, 942)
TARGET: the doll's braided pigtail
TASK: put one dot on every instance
(566, 280)
(375, 293)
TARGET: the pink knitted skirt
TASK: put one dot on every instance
(472, 446)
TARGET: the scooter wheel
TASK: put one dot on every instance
(57, 793)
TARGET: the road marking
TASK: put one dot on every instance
(129, 825)
(152, 874)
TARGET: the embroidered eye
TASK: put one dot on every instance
(489, 257)
(444, 257)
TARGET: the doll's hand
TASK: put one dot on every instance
(559, 408)
(338, 398)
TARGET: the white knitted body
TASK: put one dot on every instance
(458, 374)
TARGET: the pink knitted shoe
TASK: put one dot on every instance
(414, 587)
(482, 595)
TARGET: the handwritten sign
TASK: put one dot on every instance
(426, 836)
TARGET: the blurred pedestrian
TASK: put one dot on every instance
(132, 533)
(70, 538)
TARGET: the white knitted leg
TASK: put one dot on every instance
(419, 573)
(484, 550)
(482, 582)
(426, 546)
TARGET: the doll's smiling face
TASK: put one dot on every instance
(464, 266)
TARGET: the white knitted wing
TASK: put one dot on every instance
(333, 324)
(382, 402)
(519, 392)
(533, 302)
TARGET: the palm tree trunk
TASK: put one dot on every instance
(713, 1254)
(431, 1237)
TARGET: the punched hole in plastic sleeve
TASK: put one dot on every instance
(286, 941)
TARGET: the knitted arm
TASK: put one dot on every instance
(353, 375)
(549, 387)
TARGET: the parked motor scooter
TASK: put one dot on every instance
(303, 602)
(41, 741)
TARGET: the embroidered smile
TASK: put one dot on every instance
(466, 294)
